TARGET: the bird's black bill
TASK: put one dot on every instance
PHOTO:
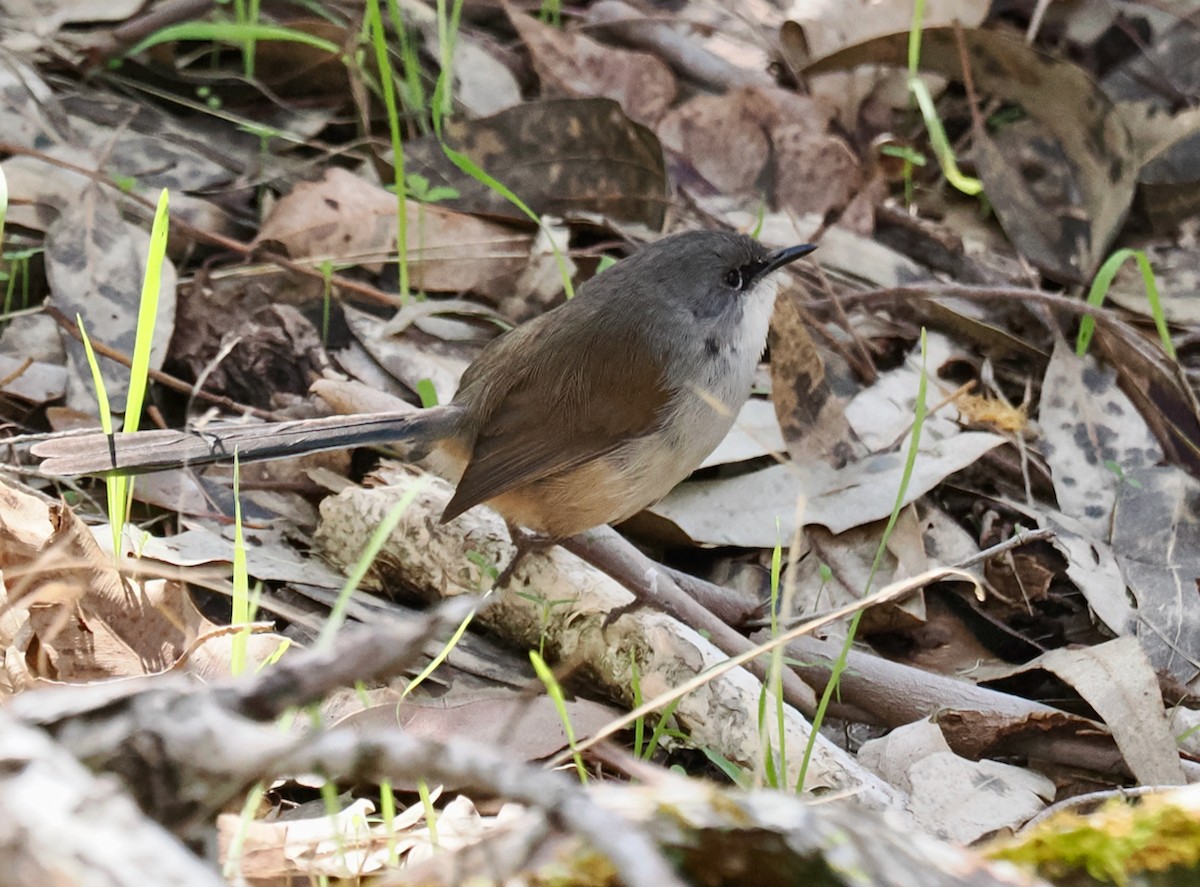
(784, 256)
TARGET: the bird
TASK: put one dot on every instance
(582, 416)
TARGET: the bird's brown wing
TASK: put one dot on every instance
(576, 402)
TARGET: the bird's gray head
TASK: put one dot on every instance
(705, 273)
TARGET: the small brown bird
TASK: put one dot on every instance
(582, 416)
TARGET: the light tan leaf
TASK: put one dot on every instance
(1116, 680)
(573, 64)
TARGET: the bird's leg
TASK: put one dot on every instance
(524, 542)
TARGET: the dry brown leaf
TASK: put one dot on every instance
(1092, 437)
(953, 797)
(344, 217)
(575, 65)
(724, 143)
(564, 157)
(758, 139)
(1156, 540)
(1119, 683)
(74, 618)
(1147, 88)
(297, 70)
(812, 419)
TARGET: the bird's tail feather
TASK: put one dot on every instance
(97, 453)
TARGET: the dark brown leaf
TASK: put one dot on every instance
(563, 157)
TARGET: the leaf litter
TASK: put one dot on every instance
(287, 251)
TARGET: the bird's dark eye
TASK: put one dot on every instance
(733, 278)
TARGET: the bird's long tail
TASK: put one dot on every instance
(414, 433)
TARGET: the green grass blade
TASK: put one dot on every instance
(431, 817)
(414, 99)
(554, 690)
(234, 855)
(3, 205)
(942, 148)
(232, 33)
(337, 615)
(660, 728)
(113, 484)
(440, 656)
(1098, 292)
(388, 86)
(139, 370)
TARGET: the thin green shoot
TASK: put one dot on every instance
(475, 171)
(116, 502)
(760, 219)
(387, 812)
(1006, 116)
(337, 614)
(661, 727)
(3, 205)
(910, 157)
(441, 655)
(775, 769)
(554, 690)
(605, 263)
(427, 393)
(907, 153)
(732, 771)
(232, 33)
(431, 815)
(942, 148)
(414, 90)
(768, 775)
(1098, 292)
(1187, 734)
(240, 614)
(284, 643)
(1119, 473)
(388, 87)
(639, 725)
(139, 366)
(329, 797)
(326, 299)
(484, 565)
(16, 274)
(546, 607)
(420, 190)
(249, 17)
(265, 135)
(551, 13)
(237, 843)
(447, 27)
(839, 665)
